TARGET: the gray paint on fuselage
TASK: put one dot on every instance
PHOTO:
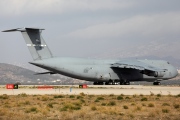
(100, 70)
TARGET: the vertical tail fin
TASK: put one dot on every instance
(35, 43)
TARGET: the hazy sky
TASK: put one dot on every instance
(93, 28)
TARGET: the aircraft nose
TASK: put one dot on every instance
(174, 72)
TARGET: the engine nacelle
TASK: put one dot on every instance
(159, 74)
(152, 73)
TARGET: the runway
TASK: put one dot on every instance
(95, 90)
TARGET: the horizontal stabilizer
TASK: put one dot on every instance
(21, 29)
(12, 30)
(45, 73)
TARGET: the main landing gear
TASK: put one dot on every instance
(98, 83)
(124, 82)
(113, 82)
(110, 82)
(156, 83)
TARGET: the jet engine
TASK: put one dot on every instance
(153, 73)
(159, 74)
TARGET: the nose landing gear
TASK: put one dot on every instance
(156, 83)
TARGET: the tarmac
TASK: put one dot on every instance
(94, 90)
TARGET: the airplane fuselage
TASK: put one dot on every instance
(101, 70)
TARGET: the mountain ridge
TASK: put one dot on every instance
(15, 74)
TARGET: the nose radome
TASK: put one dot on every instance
(175, 72)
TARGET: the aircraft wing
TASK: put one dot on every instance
(135, 64)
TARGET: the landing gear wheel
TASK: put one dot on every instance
(121, 83)
(116, 82)
(127, 83)
(124, 82)
(110, 83)
(98, 83)
(156, 83)
(106, 83)
(95, 83)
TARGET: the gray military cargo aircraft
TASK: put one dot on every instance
(108, 72)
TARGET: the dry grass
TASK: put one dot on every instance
(89, 107)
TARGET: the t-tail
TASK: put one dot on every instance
(35, 43)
